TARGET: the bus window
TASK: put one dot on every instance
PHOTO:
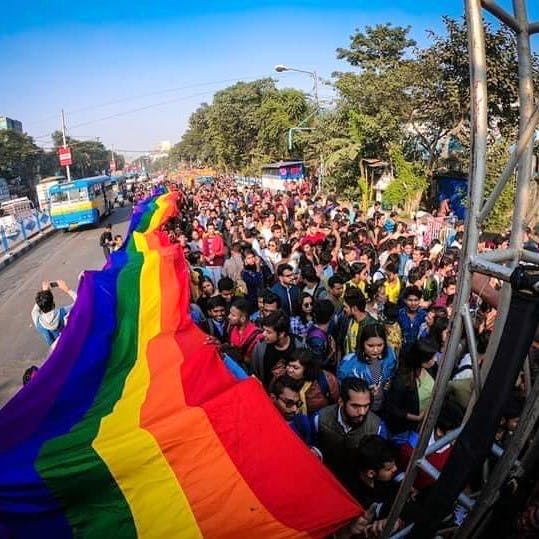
(77, 194)
(59, 197)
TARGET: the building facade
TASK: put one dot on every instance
(8, 123)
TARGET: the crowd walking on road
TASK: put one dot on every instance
(343, 317)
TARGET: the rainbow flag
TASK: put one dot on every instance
(135, 428)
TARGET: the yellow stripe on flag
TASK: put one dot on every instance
(159, 506)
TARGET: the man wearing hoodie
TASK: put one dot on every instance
(48, 319)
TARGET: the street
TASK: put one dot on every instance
(62, 256)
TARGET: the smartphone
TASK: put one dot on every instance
(53, 284)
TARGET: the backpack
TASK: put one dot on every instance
(321, 352)
(324, 387)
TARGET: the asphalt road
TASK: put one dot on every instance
(61, 256)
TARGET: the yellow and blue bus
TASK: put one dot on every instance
(81, 202)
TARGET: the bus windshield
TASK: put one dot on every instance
(76, 195)
(59, 197)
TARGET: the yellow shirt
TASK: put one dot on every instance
(393, 290)
(354, 331)
(360, 286)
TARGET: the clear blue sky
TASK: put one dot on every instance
(81, 55)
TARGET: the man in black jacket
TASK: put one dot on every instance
(105, 241)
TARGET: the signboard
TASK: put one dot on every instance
(65, 156)
(281, 177)
(112, 165)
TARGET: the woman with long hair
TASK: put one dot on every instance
(308, 256)
(377, 299)
(303, 320)
(207, 290)
(373, 361)
(228, 232)
(412, 390)
(319, 388)
(272, 255)
(439, 335)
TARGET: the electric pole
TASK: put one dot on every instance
(68, 170)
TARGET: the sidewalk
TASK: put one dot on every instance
(24, 247)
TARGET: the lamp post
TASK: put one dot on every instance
(280, 68)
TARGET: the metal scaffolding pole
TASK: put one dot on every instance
(499, 263)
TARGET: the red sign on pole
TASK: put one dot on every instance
(112, 166)
(65, 156)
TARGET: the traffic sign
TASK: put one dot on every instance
(65, 156)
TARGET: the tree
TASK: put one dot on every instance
(245, 125)
(233, 122)
(195, 144)
(278, 112)
(379, 92)
(440, 90)
(19, 155)
(374, 103)
(90, 157)
(380, 48)
(410, 181)
(499, 219)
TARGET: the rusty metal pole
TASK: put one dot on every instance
(476, 183)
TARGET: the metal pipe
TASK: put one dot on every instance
(451, 436)
(498, 452)
(498, 255)
(478, 87)
(490, 492)
(533, 28)
(531, 412)
(523, 174)
(535, 210)
(501, 14)
(527, 375)
(472, 345)
(429, 469)
(529, 256)
(403, 533)
(478, 265)
(530, 456)
(527, 110)
(516, 155)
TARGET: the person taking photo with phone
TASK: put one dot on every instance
(48, 319)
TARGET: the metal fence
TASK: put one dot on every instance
(16, 234)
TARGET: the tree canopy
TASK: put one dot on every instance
(397, 102)
(245, 125)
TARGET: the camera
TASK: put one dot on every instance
(53, 284)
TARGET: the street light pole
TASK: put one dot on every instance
(68, 170)
(280, 68)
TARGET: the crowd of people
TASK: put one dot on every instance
(343, 317)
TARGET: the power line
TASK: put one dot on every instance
(140, 96)
(118, 114)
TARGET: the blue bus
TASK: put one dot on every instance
(81, 202)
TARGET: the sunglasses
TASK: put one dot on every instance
(289, 403)
(309, 304)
